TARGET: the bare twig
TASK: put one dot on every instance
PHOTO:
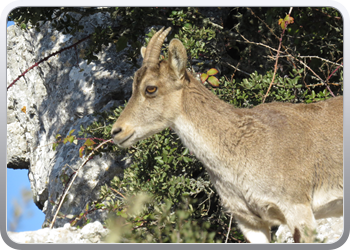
(80, 139)
(334, 71)
(46, 58)
(278, 53)
(118, 192)
(267, 26)
(215, 25)
(321, 84)
(259, 44)
(290, 10)
(311, 57)
(74, 177)
(229, 229)
(335, 17)
(288, 55)
(313, 72)
(237, 69)
(275, 70)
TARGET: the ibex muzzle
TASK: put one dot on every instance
(276, 163)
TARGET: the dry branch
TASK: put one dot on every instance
(46, 58)
(289, 55)
(73, 178)
(311, 57)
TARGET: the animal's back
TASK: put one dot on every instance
(303, 151)
(312, 130)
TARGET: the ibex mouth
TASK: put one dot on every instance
(125, 140)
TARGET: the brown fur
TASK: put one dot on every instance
(277, 163)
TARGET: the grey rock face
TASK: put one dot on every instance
(59, 95)
(328, 230)
(91, 233)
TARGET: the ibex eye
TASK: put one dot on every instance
(151, 89)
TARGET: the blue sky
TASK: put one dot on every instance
(17, 180)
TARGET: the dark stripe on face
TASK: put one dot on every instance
(138, 77)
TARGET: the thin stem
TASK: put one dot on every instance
(46, 58)
(118, 192)
(72, 180)
(276, 64)
(334, 71)
(229, 229)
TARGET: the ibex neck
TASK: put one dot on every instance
(207, 126)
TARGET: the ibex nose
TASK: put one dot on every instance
(116, 131)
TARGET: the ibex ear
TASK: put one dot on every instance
(143, 51)
(177, 58)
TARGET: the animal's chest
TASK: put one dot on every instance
(221, 169)
(230, 175)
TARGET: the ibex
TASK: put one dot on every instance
(276, 163)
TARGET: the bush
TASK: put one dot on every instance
(180, 197)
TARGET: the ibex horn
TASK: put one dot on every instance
(154, 46)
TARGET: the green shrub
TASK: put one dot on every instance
(250, 91)
(168, 174)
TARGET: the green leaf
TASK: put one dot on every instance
(166, 141)
(89, 142)
(81, 150)
(282, 23)
(170, 159)
(213, 81)
(185, 152)
(156, 136)
(188, 26)
(204, 77)
(121, 44)
(212, 71)
(289, 19)
(186, 159)
(164, 152)
(61, 215)
(124, 215)
(159, 160)
(71, 138)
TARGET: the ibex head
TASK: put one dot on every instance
(156, 92)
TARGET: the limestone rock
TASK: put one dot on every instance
(91, 233)
(59, 95)
(328, 230)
